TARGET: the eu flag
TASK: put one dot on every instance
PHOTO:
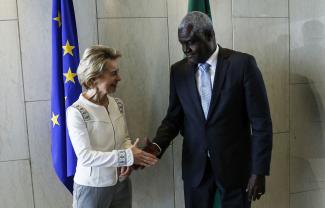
(65, 87)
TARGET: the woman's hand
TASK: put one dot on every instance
(125, 171)
(141, 157)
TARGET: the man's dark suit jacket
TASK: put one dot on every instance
(238, 131)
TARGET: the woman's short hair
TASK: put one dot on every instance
(92, 63)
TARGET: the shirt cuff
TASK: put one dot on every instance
(157, 146)
(125, 157)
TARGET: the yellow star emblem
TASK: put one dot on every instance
(54, 119)
(69, 76)
(58, 19)
(68, 48)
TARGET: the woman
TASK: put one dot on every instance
(99, 135)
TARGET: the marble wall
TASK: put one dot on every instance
(307, 98)
(285, 36)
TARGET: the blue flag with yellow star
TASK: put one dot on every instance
(65, 87)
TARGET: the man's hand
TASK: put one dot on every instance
(256, 187)
(141, 157)
(149, 148)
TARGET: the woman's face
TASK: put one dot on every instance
(107, 82)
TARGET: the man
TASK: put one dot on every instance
(218, 103)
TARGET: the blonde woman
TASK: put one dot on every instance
(99, 135)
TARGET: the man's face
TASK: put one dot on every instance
(197, 48)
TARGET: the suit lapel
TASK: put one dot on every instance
(222, 65)
(192, 89)
(220, 74)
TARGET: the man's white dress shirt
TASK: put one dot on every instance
(212, 61)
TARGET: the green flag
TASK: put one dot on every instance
(204, 6)
(199, 5)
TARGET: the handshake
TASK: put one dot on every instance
(145, 157)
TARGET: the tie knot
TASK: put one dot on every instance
(204, 67)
